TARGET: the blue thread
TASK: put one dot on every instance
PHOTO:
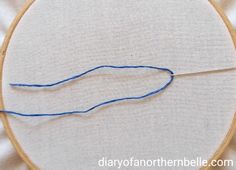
(100, 104)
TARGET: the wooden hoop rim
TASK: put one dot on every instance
(4, 118)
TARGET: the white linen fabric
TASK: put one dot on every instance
(190, 119)
(9, 159)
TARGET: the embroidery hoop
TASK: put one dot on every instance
(9, 132)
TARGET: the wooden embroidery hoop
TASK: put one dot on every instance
(4, 118)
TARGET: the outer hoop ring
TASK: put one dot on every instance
(4, 118)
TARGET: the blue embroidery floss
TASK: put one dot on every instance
(112, 101)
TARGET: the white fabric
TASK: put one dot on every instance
(9, 159)
(189, 119)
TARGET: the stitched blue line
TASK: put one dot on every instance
(100, 104)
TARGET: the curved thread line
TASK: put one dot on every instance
(97, 105)
(87, 72)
